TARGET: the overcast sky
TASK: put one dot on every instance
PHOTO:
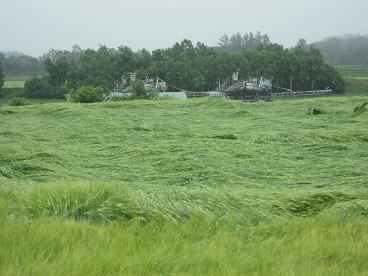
(35, 26)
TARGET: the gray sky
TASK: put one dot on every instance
(35, 26)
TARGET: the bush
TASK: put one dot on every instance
(18, 102)
(40, 88)
(87, 94)
(140, 92)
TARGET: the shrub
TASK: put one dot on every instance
(40, 88)
(87, 94)
(140, 92)
(18, 102)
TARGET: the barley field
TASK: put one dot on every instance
(185, 187)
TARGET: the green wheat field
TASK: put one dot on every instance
(185, 187)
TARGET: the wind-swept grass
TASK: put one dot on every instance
(319, 246)
(194, 187)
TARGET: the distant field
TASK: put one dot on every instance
(14, 84)
(356, 86)
(353, 71)
(15, 81)
(185, 187)
(356, 77)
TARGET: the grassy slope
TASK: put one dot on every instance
(289, 196)
(353, 71)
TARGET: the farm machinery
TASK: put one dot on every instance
(251, 89)
(247, 90)
(153, 84)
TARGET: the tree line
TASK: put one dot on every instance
(339, 50)
(15, 64)
(187, 66)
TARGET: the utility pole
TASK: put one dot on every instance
(291, 83)
(219, 85)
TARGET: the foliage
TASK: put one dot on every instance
(21, 64)
(87, 94)
(57, 70)
(11, 93)
(196, 67)
(237, 42)
(2, 76)
(140, 92)
(18, 102)
(40, 88)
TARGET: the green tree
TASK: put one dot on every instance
(237, 42)
(57, 69)
(19, 64)
(140, 92)
(40, 88)
(302, 43)
(195, 67)
(2, 77)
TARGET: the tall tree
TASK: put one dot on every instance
(58, 69)
(237, 42)
(2, 77)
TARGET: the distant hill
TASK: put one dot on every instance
(344, 50)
